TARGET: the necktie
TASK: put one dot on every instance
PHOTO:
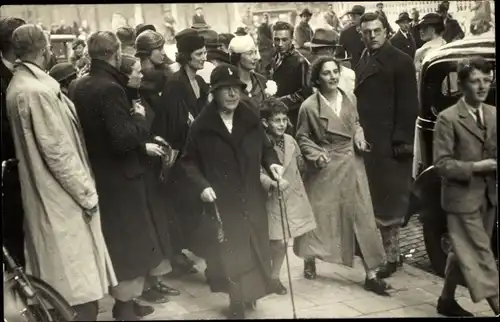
(479, 121)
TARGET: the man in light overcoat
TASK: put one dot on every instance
(386, 90)
(64, 244)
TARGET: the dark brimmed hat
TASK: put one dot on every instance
(431, 19)
(62, 71)
(200, 26)
(341, 54)
(188, 40)
(211, 38)
(404, 16)
(225, 75)
(140, 28)
(148, 41)
(217, 54)
(306, 12)
(240, 31)
(356, 10)
(323, 38)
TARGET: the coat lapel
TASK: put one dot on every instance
(468, 122)
(372, 67)
(289, 152)
(190, 97)
(334, 124)
(489, 121)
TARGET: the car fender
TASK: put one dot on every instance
(427, 191)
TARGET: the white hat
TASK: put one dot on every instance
(241, 44)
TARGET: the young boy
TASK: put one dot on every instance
(465, 149)
(300, 218)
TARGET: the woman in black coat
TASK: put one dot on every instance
(223, 156)
(182, 99)
(154, 286)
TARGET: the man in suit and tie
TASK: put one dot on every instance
(465, 149)
(403, 39)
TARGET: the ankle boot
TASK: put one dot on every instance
(236, 310)
(124, 311)
(310, 269)
(387, 270)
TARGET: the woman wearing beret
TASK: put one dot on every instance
(228, 182)
(244, 54)
(182, 99)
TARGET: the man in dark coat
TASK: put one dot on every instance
(303, 32)
(415, 15)
(12, 204)
(289, 70)
(386, 89)
(350, 37)
(198, 17)
(265, 43)
(452, 30)
(183, 96)
(387, 25)
(115, 133)
(231, 180)
(403, 39)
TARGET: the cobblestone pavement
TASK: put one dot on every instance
(336, 293)
(413, 246)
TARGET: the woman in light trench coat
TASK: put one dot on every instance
(331, 140)
(57, 184)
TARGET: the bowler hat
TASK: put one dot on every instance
(140, 28)
(306, 12)
(404, 16)
(62, 71)
(356, 10)
(225, 75)
(323, 38)
(240, 31)
(431, 19)
(211, 38)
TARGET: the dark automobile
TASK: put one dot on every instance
(437, 91)
(61, 46)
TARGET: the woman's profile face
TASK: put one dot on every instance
(228, 97)
(198, 59)
(158, 56)
(135, 77)
(329, 76)
(249, 59)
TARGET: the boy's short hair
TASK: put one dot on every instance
(283, 25)
(466, 66)
(272, 106)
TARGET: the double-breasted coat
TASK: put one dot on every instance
(405, 43)
(353, 44)
(234, 174)
(115, 141)
(386, 91)
(299, 217)
(177, 110)
(339, 193)
(57, 186)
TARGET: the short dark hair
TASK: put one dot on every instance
(467, 65)
(283, 25)
(380, 4)
(7, 27)
(103, 45)
(371, 16)
(126, 35)
(271, 107)
(316, 66)
(127, 64)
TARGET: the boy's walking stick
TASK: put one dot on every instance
(284, 217)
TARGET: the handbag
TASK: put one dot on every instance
(209, 233)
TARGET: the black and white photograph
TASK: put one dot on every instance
(249, 160)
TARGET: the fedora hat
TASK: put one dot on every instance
(306, 12)
(404, 16)
(341, 54)
(323, 38)
(356, 10)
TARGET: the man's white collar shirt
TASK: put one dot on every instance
(472, 111)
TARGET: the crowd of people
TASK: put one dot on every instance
(127, 159)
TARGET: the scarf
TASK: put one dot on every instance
(279, 58)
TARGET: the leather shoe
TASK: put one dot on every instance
(124, 311)
(377, 286)
(278, 287)
(387, 270)
(158, 285)
(450, 308)
(310, 269)
(142, 310)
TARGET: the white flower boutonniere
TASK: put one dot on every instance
(271, 88)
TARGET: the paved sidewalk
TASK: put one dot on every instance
(336, 293)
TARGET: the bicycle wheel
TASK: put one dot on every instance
(48, 305)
